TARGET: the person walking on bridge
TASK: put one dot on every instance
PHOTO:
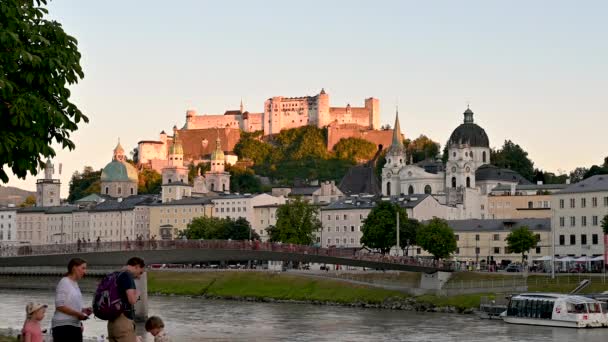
(122, 329)
(69, 313)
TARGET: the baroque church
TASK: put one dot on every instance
(462, 183)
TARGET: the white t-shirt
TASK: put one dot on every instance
(67, 294)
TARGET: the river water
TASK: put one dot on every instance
(193, 319)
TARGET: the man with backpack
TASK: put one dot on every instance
(115, 298)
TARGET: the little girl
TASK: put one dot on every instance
(155, 326)
(31, 331)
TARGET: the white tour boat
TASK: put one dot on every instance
(557, 310)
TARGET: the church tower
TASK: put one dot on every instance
(47, 189)
(395, 160)
(218, 179)
(175, 176)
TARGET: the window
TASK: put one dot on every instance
(477, 250)
(537, 250)
(328, 217)
(427, 189)
(418, 251)
(594, 202)
(345, 217)
(345, 229)
(562, 221)
(468, 182)
(453, 182)
(388, 188)
(572, 221)
(562, 240)
(584, 221)
(457, 250)
(457, 237)
(476, 237)
(530, 205)
(583, 239)
(337, 217)
(352, 228)
(583, 202)
(572, 204)
(360, 216)
(410, 190)
(496, 250)
(572, 239)
(337, 229)
(606, 201)
(594, 219)
(594, 239)
(561, 204)
(496, 237)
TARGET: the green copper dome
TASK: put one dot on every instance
(176, 147)
(119, 171)
(217, 154)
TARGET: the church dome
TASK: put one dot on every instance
(218, 153)
(119, 171)
(469, 133)
(176, 147)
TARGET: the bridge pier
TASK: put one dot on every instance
(434, 281)
(141, 307)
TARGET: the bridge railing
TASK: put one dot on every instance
(142, 245)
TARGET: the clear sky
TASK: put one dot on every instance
(534, 72)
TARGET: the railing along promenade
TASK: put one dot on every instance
(243, 245)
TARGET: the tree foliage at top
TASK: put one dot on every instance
(520, 240)
(605, 224)
(149, 182)
(297, 222)
(355, 149)
(195, 170)
(513, 157)
(213, 228)
(421, 148)
(380, 227)
(243, 180)
(83, 184)
(38, 61)
(30, 201)
(548, 177)
(297, 153)
(437, 238)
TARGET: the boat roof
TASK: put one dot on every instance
(575, 299)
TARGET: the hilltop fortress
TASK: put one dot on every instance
(279, 113)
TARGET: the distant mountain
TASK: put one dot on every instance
(12, 195)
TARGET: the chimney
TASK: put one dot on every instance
(540, 182)
(568, 180)
(513, 186)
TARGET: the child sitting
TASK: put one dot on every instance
(31, 331)
(155, 326)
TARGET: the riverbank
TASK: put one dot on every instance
(292, 288)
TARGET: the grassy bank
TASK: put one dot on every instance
(264, 285)
(8, 339)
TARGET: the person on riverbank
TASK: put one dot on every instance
(67, 320)
(32, 332)
(156, 327)
(122, 329)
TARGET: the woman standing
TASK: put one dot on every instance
(66, 323)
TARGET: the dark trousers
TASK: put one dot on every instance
(67, 333)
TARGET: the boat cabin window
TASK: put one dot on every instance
(577, 308)
(531, 307)
(594, 307)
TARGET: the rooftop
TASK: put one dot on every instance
(472, 225)
(592, 184)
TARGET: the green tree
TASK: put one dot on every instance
(38, 61)
(408, 233)
(30, 201)
(213, 228)
(297, 222)
(149, 182)
(437, 238)
(83, 184)
(596, 170)
(520, 240)
(513, 157)
(578, 174)
(243, 180)
(605, 224)
(380, 227)
(422, 148)
(354, 149)
(252, 148)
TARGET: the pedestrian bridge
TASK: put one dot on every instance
(100, 254)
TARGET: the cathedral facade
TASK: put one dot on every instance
(463, 182)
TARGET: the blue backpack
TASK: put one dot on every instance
(107, 303)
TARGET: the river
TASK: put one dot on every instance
(193, 319)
